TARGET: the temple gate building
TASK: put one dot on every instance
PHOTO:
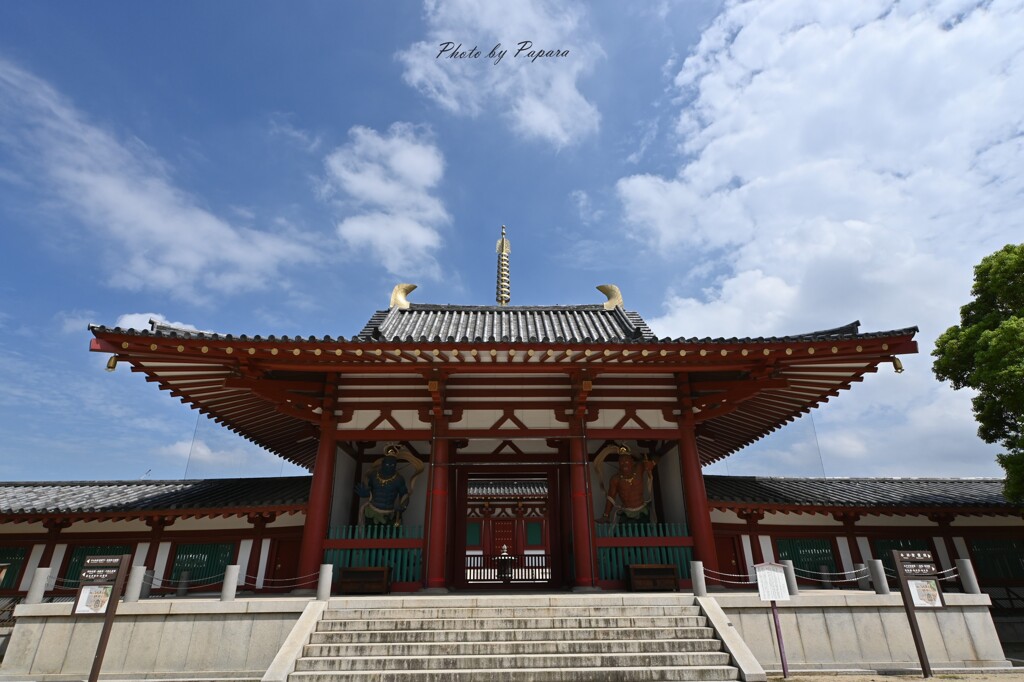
(470, 447)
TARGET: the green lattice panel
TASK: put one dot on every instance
(807, 554)
(15, 556)
(996, 559)
(885, 546)
(205, 562)
(74, 570)
(406, 564)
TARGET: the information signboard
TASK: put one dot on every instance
(100, 569)
(93, 599)
(919, 583)
(771, 582)
(772, 587)
(101, 581)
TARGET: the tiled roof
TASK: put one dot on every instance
(814, 369)
(77, 497)
(505, 489)
(511, 324)
(857, 492)
(231, 494)
(514, 324)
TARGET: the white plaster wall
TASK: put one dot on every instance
(242, 560)
(206, 524)
(865, 549)
(961, 548)
(669, 480)
(139, 558)
(160, 565)
(845, 557)
(344, 486)
(415, 514)
(766, 548)
(718, 516)
(261, 570)
(57, 559)
(748, 554)
(134, 525)
(22, 528)
(940, 549)
(30, 567)
(289, 520)
(596, 493)
(883, 520)
(988, 521)
(777, 519)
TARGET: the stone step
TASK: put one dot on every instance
(511, 623)
(511, 611)
(581, 674)
(512, 600)
(504, 635)
(501, 662)
(513, 648)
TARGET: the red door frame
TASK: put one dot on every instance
(460, 476)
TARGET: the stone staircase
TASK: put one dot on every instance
(614, 637)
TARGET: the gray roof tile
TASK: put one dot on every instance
(70, 497)
(512, 324)
(858, 492)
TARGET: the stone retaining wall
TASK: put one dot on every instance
(824, 630)
(152, 639)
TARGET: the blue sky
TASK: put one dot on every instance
(768, 167)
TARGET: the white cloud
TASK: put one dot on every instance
(384, 181)
(540, 99)
(588, 212)
(841, 161)
(280, 125)
(75, 321)
(141, 321)
(155, 236)
(198, 453)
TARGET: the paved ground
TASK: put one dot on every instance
(1012, 675)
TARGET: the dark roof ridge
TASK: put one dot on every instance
(146, 481)
(854, 478)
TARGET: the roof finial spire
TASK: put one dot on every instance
(504, 248)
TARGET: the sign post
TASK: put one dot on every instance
(921, 589)
(771, 587)
(99, 590)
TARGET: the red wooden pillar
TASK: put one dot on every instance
(318, 510)
(582, 528)
(697, 512)
(437, 534)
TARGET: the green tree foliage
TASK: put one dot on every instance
(986, 352)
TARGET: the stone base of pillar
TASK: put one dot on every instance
(434, 590)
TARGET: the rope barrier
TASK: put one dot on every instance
(731, 575)
(802, 572)
(179, 581)
(731, 582)
(281, 580)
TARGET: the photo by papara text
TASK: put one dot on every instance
(525, 50)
